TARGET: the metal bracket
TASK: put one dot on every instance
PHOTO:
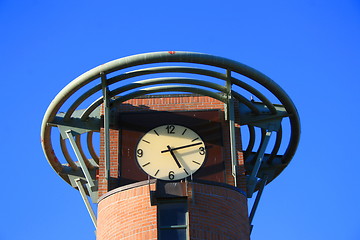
(86, 200)
(84, 169)
(75, 123)
(91, 191)
(264, 119)
(79, 169)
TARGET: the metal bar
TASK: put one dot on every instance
(89, 141)
(145, 91)
(252, 181)
(67, 155)
(86, 200)
(232, 139)
(166, 69)
(276, 146)
(167, 80)
(84, 169)
(105, 91)
(87, 162)
(153, 81)
(257, 199)
(251, 143)
(240, 98)
(231, 119)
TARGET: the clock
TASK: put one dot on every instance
(170, 152)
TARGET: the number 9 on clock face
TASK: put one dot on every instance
(170, 152)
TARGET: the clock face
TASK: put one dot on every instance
(170, 152)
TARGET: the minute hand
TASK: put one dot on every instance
(185, 146)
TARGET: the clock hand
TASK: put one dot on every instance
(173, 155)
(185, 146)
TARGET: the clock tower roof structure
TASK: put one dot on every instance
(121, 105)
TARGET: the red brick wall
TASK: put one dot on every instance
(127, 215)
(177, 103)
(114, 161)
(219, 213)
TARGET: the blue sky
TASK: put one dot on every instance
(310, 48)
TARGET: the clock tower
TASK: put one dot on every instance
(183, 140)
(174, 149)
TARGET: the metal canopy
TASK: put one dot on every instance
(138, 75)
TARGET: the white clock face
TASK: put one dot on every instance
(170, 152)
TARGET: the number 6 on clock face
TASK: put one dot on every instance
(170, 152)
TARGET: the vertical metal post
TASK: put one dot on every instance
(105, 91)
(86, 200)
(231, 119)
(84, 169)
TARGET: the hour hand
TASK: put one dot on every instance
(173, 155)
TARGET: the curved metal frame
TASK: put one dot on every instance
(263, 113)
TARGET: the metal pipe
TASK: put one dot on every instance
(89, 141)
(257, 199)
(168, 69)
(67, 155)
(253, 176)
(276, 146)
(156, 81)
(231, 120)
(106, 100)
(78, 143)
(145, 91)
(86, 201)
(251, 143)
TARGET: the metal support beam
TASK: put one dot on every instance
(105, 91)
(231, 118)
(252, 180)
(257, 199)
(86, 200)
(84, 169)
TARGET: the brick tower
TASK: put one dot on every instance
(142, 201)
(171, 163)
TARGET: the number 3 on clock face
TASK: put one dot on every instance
(170, 152)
